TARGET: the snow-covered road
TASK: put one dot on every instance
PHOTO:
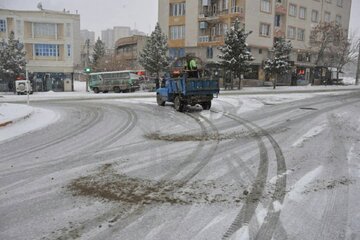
(254, 167)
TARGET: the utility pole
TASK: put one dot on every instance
(87, 44)
(358, 65)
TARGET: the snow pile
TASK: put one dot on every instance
(349, 80)
(13, 112)
(39, 118)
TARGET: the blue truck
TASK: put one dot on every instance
(188, 88)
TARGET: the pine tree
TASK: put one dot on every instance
(279, 64)
(235, 54)
(99, 52)
(154, 55)
(12, 57)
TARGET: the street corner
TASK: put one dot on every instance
(11, 113)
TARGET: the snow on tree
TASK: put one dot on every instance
(99, 52)
(154, 55)
(279, 64)
(235, 55)
(12, 57)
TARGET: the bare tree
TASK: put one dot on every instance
(342, 52)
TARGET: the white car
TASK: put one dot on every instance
(23, 86)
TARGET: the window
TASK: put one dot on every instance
(47, 50)
(338, 20)
(69, 50)
(2, 25)
(292, 10)
(304, 57)
(68, 30)
(177, 32)
(339, 3)
(209, 52)
(327, 17)
(302, 13)
(291, 32)
(265, 6)
(315, 16)
(301, 34)
(225, 4)
(277, 20)
(177, 9)
(264, 29)
(176, 53)
(45, 29)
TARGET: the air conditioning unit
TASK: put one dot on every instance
(205, 2)
(203, 25)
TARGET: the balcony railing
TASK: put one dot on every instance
(207, 38)
(280, 9)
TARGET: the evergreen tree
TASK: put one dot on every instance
(99, 52)
(12, 57)
(154, 55)
(279, 64)
(235, 54)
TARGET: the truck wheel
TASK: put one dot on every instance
(159, 101)
(116, 89)
(178, 104)
(96, 90)
(206, 105)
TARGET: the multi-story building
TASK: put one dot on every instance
(199, 26)
(110, 36)
(52, 43)
(87, 43)
(127, 51)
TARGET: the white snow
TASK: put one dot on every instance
(310, 134)
(241, 234)
(296, 190)
(277, 206)
(261, 213)
(40, 118)
(13, 112)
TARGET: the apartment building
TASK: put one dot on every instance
(199, 26)
(52, 44)
(128, 49)
(110, 36)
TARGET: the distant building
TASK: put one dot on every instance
(52, 43)
(86, 34)
(110, 36)
(86, 50)
(128, 49)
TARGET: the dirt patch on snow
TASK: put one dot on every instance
(196, 137)
(322, 185)
(111, 186)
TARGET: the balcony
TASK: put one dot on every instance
(279, 32)
(280, 9)
(209, 16)
(207, 40)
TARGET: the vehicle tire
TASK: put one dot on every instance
(206, 105)
(179, 106)
(159, 101)
(116, 89)
(96, 90)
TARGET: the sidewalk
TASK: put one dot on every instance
(11, 113)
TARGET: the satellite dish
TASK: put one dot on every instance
(39, 6)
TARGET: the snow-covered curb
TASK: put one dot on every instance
(12, 113)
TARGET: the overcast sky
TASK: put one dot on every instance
(97, 15)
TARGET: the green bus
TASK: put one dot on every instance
(116, 81)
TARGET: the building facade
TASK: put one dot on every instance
(199, 26)
(52, 44)
(128, 49)
(110, 36)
